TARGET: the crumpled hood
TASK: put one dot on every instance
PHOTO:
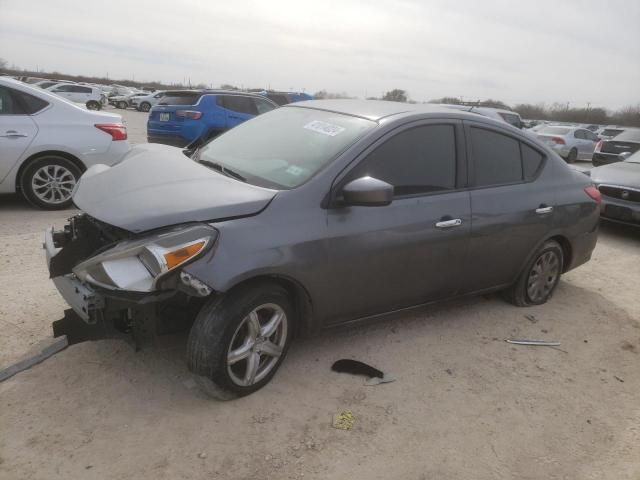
(625, 174)
(157, 185)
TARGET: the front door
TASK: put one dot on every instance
(413, 250)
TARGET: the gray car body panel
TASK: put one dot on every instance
(357, 262)
(156, 185)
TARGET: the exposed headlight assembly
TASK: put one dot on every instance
(138, 265)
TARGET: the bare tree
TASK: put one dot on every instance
(396, 95)
(3, 63)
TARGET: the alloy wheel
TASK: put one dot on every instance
(257, 344)
(53, 184)
(543, 276)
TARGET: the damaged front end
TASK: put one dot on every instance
(119, 283)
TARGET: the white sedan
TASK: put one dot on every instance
(46, 142)
(85, 94)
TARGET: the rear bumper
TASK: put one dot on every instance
(173, 140)
(620, 211)
(582, 248)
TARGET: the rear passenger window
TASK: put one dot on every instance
(239, 104)
(419, 160)
(579, 134)
(531, 161)
(30, 103)
(496, 158)
(8, 103)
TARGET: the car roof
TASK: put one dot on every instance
(378, 109)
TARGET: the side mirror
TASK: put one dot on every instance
(624, 155)
(367, 192)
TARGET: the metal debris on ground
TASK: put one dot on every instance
(539, 343)
(343, 420)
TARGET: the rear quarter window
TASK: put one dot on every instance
(496, 158)
(29, 103)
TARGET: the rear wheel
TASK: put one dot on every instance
(93, 105)
(145, 106)
(573, 156)
(537, 282)
(122, 105)
(49, 181)
(238, 342)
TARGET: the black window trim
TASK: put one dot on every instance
(13, 93)
(460, 151)
(468, 124)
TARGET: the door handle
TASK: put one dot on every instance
(543, 210)
(12, 134)
(456, 222)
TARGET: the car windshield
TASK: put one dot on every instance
(285, 147)
(555, 130)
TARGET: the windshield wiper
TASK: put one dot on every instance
(222, 169)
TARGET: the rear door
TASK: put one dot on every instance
(413, 250)
(238, 109)
(512, 205)
(17, 128)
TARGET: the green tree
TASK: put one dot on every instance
(395, 95)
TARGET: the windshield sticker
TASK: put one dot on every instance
(324, 128)
(295, 170)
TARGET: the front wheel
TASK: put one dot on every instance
(145, 106)
(573, 156)
(238, 342)
(537, 282)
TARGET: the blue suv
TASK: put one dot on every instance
(184, 117)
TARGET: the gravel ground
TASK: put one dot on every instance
(465, 404)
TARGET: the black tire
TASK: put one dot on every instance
(123, 105)
(93, 105)
(145, 106)
(217, 329)
(573, 156)
(49, 163)
(519, 293)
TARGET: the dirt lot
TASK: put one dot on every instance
(465, 404)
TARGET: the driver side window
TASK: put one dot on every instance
(420, 160)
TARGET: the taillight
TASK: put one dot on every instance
(593, 193)
(598, 146)
(192, 114)
(117, 130)
(558, 140)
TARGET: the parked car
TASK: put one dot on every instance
(609, 151)
(184, 117)
(144, 103)
(619, 184)
(125, 101)
(44, 84)
(607, 133)
(313, 215)
(46, 142)
(91, 97)
(283, 98)
(571, 143)
(499, 114)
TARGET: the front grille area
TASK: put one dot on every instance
(620, 193)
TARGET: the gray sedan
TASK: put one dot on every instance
(316, 214)
(619, 184)
(571, 143)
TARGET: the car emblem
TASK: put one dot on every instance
(624, 194)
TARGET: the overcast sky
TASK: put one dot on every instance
(516, 51)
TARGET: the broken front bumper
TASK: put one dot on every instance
(85, 301)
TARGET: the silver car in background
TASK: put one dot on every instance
(571, 143)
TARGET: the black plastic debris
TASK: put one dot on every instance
(356, 367)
